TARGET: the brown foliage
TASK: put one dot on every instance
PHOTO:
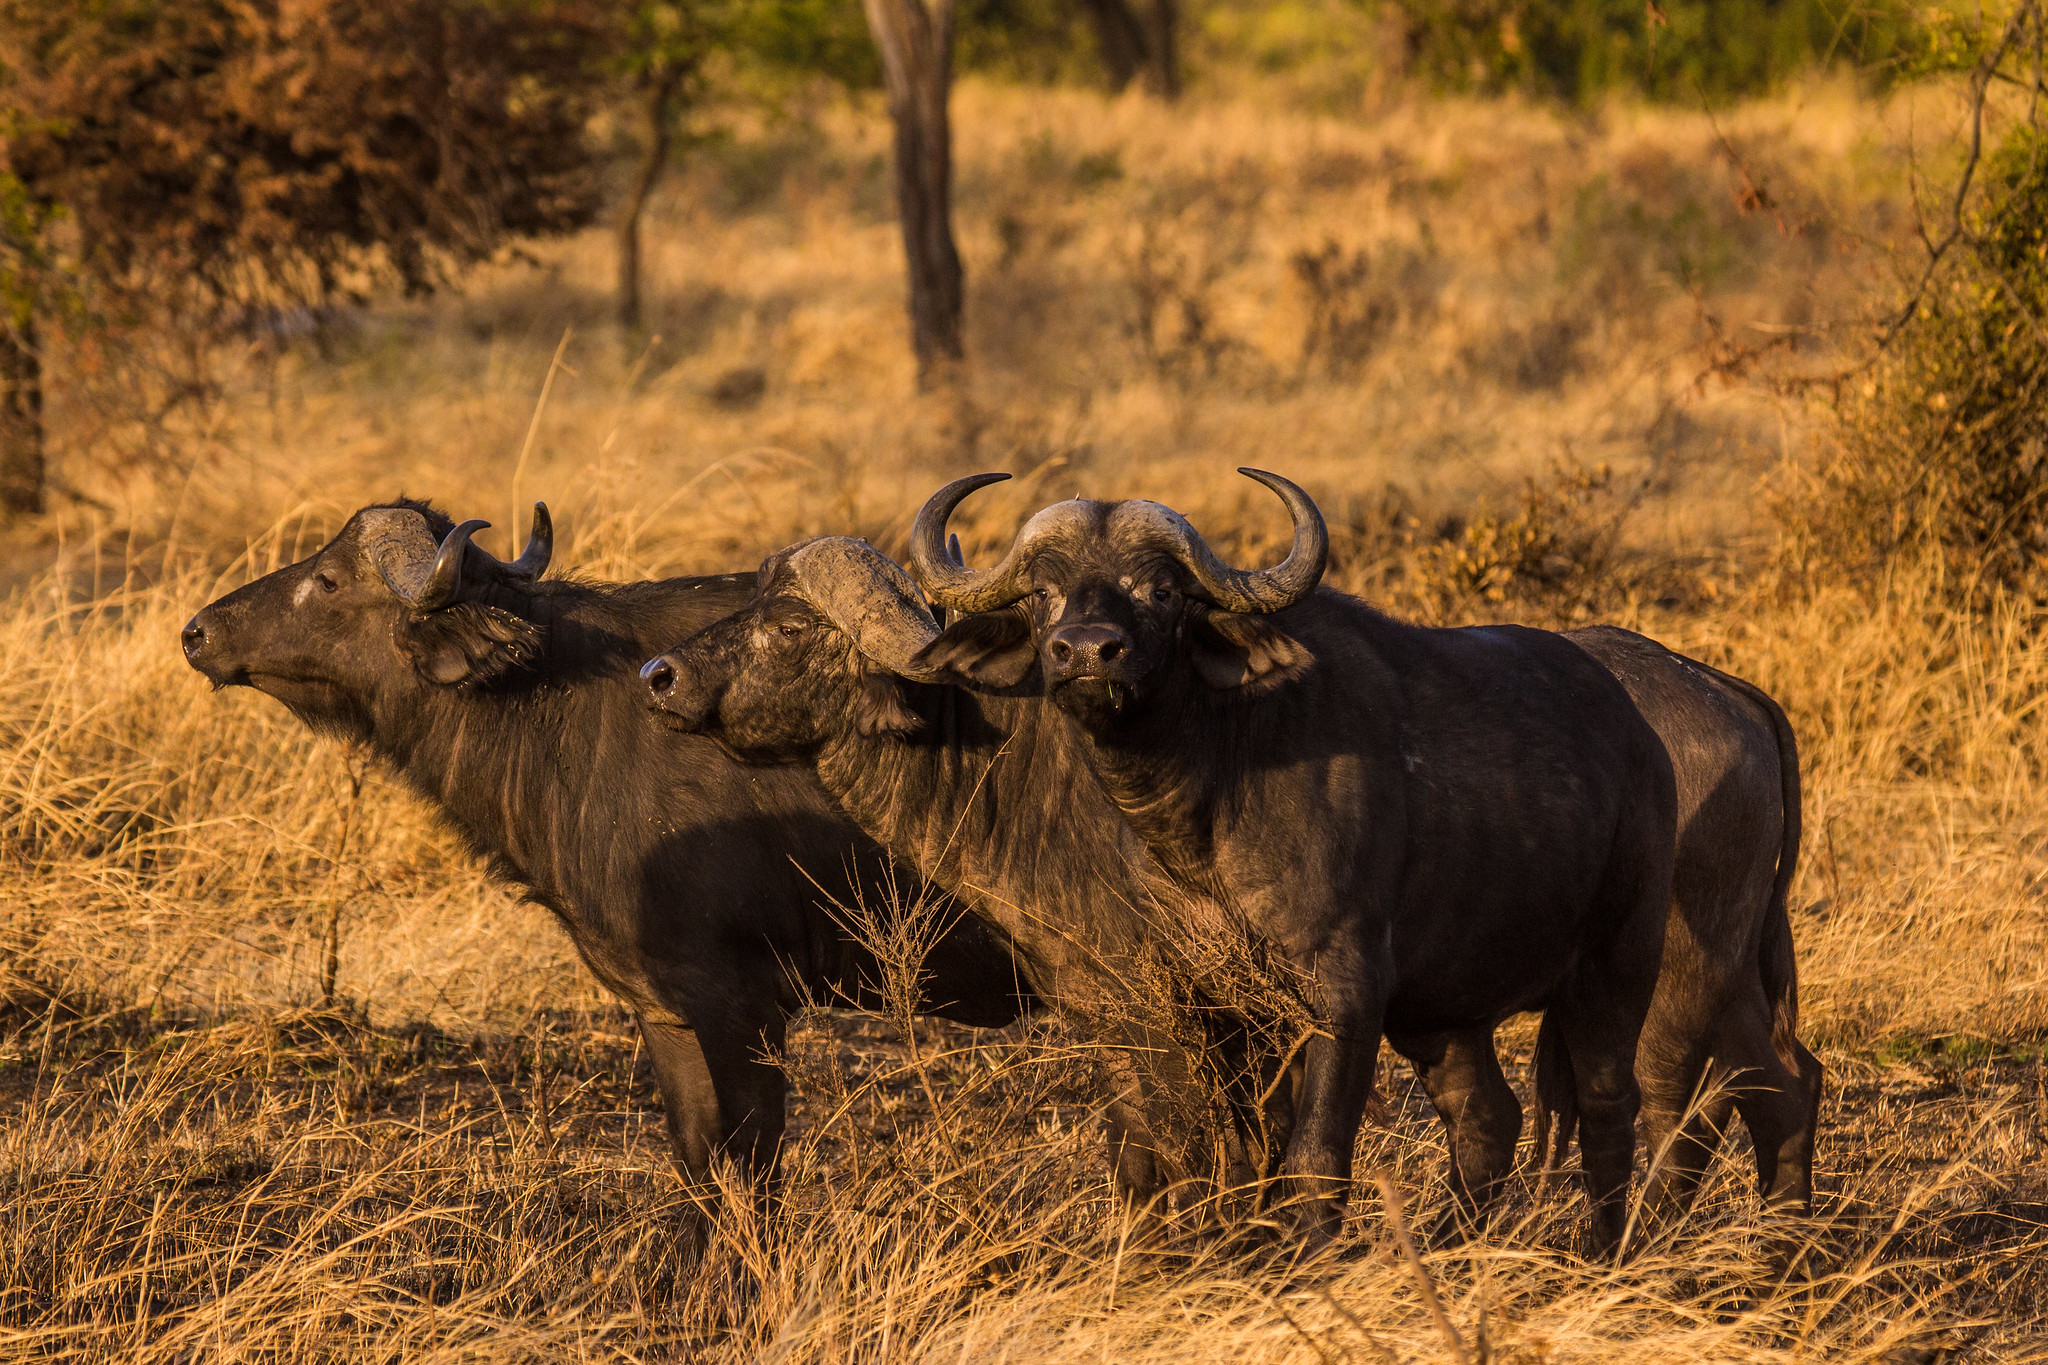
(258, 147)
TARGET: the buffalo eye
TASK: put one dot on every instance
(790, 628)
(1162, 593)
(326, 582)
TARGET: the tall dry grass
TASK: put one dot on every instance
(1415, 315)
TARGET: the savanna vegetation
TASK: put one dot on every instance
(1563, 313)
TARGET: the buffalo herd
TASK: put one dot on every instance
(1238, 825)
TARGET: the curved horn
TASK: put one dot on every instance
(946, 577)
(444, 582)
(540, 546)
(867, 595)
(1254, 591)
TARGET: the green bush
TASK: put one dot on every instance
(1939, 452)
(1682, 50)
(1041, 41)
(818, 37)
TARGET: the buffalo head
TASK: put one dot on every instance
(1119, 600)
(823, 651)
(400, 595)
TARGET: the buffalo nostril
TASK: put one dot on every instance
(1110, 649)
(1062, 651)
(660, 677)
(193, 637)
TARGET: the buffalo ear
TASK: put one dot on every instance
(1233, 651)
(989, 650)
(880, 711)
(469, 644)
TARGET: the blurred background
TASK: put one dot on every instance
(269, 256)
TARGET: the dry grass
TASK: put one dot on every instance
(463, 1160)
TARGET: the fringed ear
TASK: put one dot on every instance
(1235, 652)
(469, 644)
(880, 711)
(991, 651)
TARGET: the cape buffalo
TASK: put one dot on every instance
(988, 797)
(1727, 1003)
(690, 886)
(1439, 827)
(1722, 1026)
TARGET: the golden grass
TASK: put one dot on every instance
(462, 1160)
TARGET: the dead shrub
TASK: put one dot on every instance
(1534, 357)
(1355, 300)
(1556, 553)
(1194, 1018)
(1188, 239)
(1647, 229)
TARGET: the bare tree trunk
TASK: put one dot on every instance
(1120, 39)
(915, 40)
(1162, 48)
(21, 421)
(661, 100)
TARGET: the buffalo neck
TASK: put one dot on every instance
(994, 802)
(1167, 771)
(515, 764)
(1205, 775)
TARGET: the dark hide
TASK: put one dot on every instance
(990, 798)
(1725, 1016)
(516, 711)
(1441, 827)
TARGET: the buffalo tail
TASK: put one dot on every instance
(1557, 1105)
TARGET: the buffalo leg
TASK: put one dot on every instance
(1687, 1105)
(729, 1096)
(1603, 1078)
(1148, 1085)
(1481, 1114)
(1813, 1080)
(689, 1101)
(1686, 1116)
(1604, 1006)
(1777, 1106)
(1135, 1162)
(1337, 1081)
(1260, 1096)
(1689, 1102)
(1599, 1021)
(1133, 1149)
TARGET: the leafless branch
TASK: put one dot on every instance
(1980, 82)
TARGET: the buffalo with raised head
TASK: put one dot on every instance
(1439, 828)
(691, 886)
